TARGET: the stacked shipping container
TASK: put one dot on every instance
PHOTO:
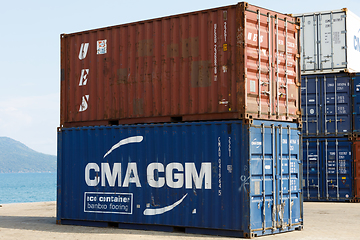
(329, 42)
(223, 178)
(356, 143)
(237, 176)
(329, 98)
(327, 169)
(236, 62)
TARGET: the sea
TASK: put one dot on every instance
(27, 187)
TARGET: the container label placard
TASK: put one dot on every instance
(119, 203)
(101, 47)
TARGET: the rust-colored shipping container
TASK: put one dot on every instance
(233, 62)
(356, 147)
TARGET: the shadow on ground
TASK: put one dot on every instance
(48, 224)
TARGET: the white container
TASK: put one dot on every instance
(330, 42)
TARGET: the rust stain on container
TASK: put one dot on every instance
(122, 75)
(145, 47)
(233, 62)
(200, 74)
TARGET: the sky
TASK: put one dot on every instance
(30, 51)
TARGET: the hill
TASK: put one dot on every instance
(17, 157)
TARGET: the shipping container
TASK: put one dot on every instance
(232, 62)
(222, 178)
(356, 148)
(356, 103)
(329, 41)
(328, 169)
(326, 102)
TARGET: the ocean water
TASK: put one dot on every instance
(27, 187)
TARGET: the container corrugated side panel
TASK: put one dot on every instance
(327, 105)
(191, 175)
(328, 169)
(329, 42)
(198, 66)
(171, 146)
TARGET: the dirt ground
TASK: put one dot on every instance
(37, 221)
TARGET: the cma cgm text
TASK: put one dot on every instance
(174, 175)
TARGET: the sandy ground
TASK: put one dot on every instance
(37, 221)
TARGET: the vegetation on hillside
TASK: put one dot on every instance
(17, 157)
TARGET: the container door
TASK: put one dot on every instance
(272, 67)
(310, 103)
(356, 103)
(286, 72)
(311, 169)
(259, 71)
(338, 178)
(337, 110)
(332, 40)
(275, 179)
(309, 43)
(263, 167)
(288, 177)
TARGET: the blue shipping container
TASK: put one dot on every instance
(327, 169)
(221, 178)
(326, 109)
(356, 103)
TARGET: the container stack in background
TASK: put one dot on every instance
(183, 123)
(330, 67)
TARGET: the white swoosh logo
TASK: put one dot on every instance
(158, 211)
(135, 139)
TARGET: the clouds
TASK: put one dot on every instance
(31, 120)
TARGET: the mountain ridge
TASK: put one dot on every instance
(16, 157)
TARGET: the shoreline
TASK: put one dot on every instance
(25, 172)
(54, 201)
